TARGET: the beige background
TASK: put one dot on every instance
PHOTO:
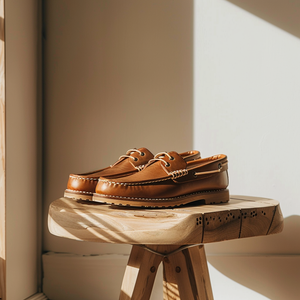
(118, 75)
(214, 75)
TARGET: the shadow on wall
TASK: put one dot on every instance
(281, 13)
(273, 267)
(269, 265)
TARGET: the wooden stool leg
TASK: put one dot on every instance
(139, 274)
(186, 275)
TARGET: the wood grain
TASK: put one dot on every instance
(185, 269)
(186, 275)
(139, 275)
(241, 217)
(2, 154)
(277, 225)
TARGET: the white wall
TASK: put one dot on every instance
(247, 103)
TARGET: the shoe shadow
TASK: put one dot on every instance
(281, 13)
(269, 265)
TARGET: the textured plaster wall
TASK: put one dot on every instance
(246, 104)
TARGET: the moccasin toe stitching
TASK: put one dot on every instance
(87, 182)
(199, 179)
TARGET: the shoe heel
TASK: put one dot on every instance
(217, 197)
(74, 195)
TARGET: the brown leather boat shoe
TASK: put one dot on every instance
(82, 186)
(167, 181)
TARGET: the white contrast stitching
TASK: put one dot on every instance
(158, 199)
(84, 178)
(175, 174)
(132, 183)
(179, 173)
(83, 192)
(140, 167)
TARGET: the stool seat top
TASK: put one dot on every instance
(242, 216)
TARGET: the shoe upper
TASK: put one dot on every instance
(169, 175)
(131, 163)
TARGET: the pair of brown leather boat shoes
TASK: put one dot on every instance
(167, 179)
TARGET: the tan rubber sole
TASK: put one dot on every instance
(208, 197)
(77, 195)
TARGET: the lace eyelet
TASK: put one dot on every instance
(135, 159)
(195, 176)
(167, 164)
(142, 153)
(172, 158)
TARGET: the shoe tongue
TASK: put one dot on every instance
(148, 153)
(178, 163)
(142, 158)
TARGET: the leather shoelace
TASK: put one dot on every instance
(160, 155)
(129, 152)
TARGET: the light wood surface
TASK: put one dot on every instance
(175, 237)
(241, 217)
(2, 154)
(185, 273)
(139, 274)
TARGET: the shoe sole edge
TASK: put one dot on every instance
(78, 195)
(209, 197)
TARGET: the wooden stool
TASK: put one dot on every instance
(175, 237)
